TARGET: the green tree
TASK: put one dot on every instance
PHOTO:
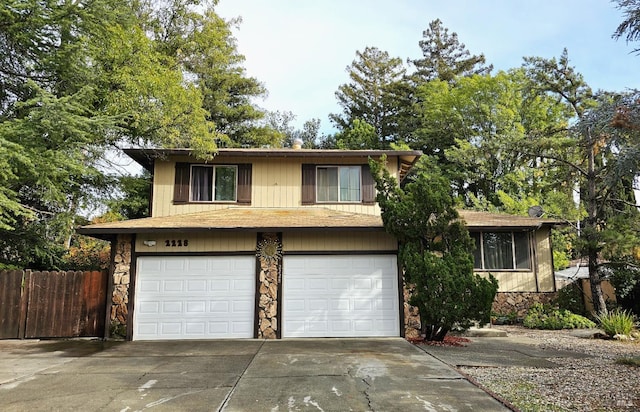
(360, 135)
(202, 44)
(134, 195)
(601, 151)
(444, 57)
(370, 95)
(630, 26)
(435, 251)
(77, 78)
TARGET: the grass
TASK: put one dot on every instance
(633, 361)
(617, 322)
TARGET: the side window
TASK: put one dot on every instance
(501, 250)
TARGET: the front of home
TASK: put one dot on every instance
(279, 243)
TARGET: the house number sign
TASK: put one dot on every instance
(176, 242)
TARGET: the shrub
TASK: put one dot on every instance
(545, 317)
(634, 361)
(571, 298)
(617, 322)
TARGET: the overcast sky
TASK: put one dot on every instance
(299, 49)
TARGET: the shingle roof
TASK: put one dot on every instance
(277, 219)
(486, 220)
(250, 219)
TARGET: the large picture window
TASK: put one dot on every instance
(213, 183)
(338, 184)
(502, 251)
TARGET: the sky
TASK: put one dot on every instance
(299, 49)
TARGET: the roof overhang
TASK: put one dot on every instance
(240, 219)
(147, 157)
(501, 221)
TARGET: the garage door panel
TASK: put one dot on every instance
(360, 297)
(194, 297)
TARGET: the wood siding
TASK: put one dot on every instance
(525, 281)
(546, 275)
(198, 242)
(334, 242)
(276, 182)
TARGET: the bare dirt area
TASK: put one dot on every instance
(593, 383)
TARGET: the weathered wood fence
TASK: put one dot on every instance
(52, 304)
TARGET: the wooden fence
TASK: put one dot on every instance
(52, 304)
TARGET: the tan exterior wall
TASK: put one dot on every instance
(276, 182)
(525, 281)
(546, 277)
(331, 241)
(198, 242)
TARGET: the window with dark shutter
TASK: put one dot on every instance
(308, 184)
(244, 183)
(181, 187)
(368, 186)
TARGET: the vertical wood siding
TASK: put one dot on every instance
(276, 182)
(343, 241)
(199, 242)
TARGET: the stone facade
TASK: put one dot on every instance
(269, 252)
(519, 303)
(121, 280)
(411, 316)
(505, 303)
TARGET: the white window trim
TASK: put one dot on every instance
(213, 186)
(317, 186)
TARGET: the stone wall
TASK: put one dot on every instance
(269, 252)
(507, 303)
(121, 279)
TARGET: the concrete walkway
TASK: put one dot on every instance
(232, 375)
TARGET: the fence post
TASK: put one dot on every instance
(24, 302)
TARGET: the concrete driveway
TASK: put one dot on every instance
(232, 375)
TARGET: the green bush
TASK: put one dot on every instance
(571, 298)
(617, 322)
(545, 317)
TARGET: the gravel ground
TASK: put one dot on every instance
(595, 383)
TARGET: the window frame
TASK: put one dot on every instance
(514, 251)
(213, 183)
(338, 187)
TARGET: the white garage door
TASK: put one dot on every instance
(195, 297)
(340, 296)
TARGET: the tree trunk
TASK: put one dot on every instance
(591, 232)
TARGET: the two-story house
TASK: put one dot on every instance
(274, 243)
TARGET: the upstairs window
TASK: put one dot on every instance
(502, 251)
(338, 184)
(212, 183)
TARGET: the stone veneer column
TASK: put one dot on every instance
(121, 280)
(269, 253)
(411, 315)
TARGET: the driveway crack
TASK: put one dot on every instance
(367, 394)
(224, 403)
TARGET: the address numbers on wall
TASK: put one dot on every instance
(176, 242)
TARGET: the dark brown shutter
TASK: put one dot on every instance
(181, 187)
(368, 186)
(308, 184)
(244, 183)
